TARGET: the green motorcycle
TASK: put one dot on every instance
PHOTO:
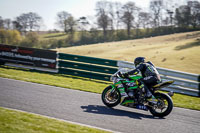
(159, 105)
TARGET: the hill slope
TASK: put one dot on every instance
(177, 51)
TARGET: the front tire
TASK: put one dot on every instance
(109, 98)
(163, 102)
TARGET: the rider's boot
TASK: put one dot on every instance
(148, 93)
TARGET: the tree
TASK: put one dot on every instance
(168, 10)
(129, 10)
(28, 21)
(15, 37)
(114, 13)
(144, 19)
(17, 26)
(66, 21)
(156, 7)
(195, 12)
(103, 19)
(1, 23)
(3, 36)
(10, 37)
(83, 25)
(61, 17)
(7, 24)
(70, 24)
(183, 16)
(118, 7)
(31, 40)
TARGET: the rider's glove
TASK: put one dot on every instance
(123, 75)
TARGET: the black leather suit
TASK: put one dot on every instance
(149, 73)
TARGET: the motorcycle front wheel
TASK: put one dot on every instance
(162, 105)
(109, 97)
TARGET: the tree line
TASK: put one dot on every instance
(114, 21)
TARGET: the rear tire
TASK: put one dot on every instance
(162, 100)
(109, 100)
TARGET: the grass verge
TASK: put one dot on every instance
(20, 122)
(82, 84)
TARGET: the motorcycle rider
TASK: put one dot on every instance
(149, 73)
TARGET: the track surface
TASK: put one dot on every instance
(87, 108)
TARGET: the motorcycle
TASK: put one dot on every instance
(160, 104)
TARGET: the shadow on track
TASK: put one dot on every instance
(97, 109)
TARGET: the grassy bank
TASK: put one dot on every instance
(82, 84)
(175, 51)
(56, 36)
(20, 122)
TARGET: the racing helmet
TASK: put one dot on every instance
(139, 60)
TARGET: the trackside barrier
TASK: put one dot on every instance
(29, 58)
(185, 83)
(89, 67)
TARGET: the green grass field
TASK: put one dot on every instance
(82, 84)
(20, 122)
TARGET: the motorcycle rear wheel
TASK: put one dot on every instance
(163, 102)
(109, 98)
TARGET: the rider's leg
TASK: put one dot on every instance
(147, 92)
(148, 82)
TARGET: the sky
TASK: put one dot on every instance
(48, 9)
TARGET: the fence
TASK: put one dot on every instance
(94, 68)
(185, 83)
(102, 69)
(89, 67)
(31, 58)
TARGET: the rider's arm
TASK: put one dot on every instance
(137, 70)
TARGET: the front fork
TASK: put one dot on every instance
(121, 91)
(112, 92)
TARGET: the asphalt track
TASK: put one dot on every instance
(87, 108)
